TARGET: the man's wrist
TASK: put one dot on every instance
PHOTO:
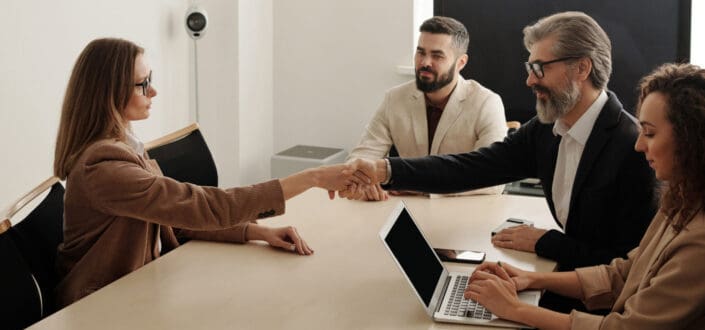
(386, 176)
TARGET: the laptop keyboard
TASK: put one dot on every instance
(459, 306)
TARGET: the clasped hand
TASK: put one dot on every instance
(358, 179)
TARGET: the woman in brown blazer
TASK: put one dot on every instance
(120, 211)
(659, 285)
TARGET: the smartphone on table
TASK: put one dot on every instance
(464, 256)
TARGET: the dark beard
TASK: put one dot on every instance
(435, 84)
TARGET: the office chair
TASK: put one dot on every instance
(184, 155)
(28, 252)
(21, 298)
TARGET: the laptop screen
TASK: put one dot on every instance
(415, 256)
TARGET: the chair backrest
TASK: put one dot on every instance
(21, 297)
(28, 249)
(184, 155)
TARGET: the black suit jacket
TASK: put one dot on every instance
(612, 201)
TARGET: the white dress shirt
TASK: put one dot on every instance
(134, 142)
(570, 151)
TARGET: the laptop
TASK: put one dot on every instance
(440, 292)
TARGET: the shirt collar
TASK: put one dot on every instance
(134, 142)
(583, 127)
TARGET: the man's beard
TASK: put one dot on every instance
(558, 103)
(435, 84)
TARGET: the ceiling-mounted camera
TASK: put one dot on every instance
(196, 22)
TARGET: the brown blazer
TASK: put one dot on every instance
(119, 209)
(659, 286)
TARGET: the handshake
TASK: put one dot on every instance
(358, 179)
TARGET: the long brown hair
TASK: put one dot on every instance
(100, 87)
(683, 85)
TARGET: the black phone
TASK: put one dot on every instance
(464, 256)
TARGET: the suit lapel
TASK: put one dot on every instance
(419, 125)
(608, 119)
(450, 114)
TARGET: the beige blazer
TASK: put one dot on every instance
(473, 118)
(120, 213)
(659, 286)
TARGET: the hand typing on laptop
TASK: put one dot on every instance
(440, 291)
(495, 286)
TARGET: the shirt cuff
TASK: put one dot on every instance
(596, 286)
(389, 172)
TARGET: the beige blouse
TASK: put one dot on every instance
(661, 285)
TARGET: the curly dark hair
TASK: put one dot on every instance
(683, 85)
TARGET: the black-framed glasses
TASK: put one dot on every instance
(537, 66)
(145, 84)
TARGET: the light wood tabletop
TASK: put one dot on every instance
(350, 282)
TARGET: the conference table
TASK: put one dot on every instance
(350, 282)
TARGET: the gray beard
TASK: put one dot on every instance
(558, 103)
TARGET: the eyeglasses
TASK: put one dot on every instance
(145, 84)
(537, 66)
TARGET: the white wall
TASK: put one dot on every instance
(40, 42)
(256, 105)
(235, 88)
(218, 86)
(333, 61)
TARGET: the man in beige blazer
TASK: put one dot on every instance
(439, 112)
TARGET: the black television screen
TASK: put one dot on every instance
(644, 34)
